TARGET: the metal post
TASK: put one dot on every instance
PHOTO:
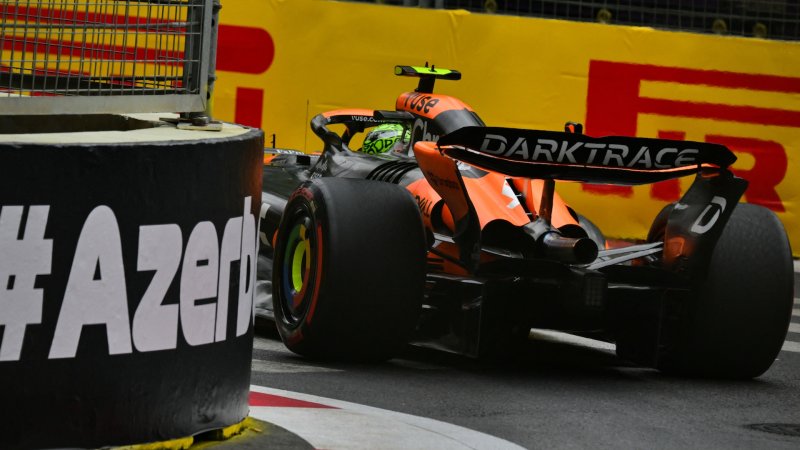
(212, 60)
(546, 204)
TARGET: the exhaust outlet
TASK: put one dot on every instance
(572, 250)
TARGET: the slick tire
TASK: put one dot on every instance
(349, 270)
(736, 320)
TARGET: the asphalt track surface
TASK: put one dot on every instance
(563, 392)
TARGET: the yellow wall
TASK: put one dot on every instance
(524, 72)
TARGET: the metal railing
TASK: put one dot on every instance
(772, 19)
(102, 56)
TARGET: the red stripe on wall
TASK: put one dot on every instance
(244, 49)
(249, 106)
(744, 114)
(716, 78)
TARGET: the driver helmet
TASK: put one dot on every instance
(387, 137)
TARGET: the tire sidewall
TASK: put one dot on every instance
(369, 273)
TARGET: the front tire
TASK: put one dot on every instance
(349, 269)
(736, 320)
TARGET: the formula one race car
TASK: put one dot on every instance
(456, 239)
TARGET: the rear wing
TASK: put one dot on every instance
(578, 157)
(693, 227)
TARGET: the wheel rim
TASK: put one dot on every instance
(298, 272)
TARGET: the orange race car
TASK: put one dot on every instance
(444, 232)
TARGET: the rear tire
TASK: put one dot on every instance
(349, 269)
(736, 321)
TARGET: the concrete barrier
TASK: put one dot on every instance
(127, 266)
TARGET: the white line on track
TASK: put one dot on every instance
(352, 426)
(791, 346)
